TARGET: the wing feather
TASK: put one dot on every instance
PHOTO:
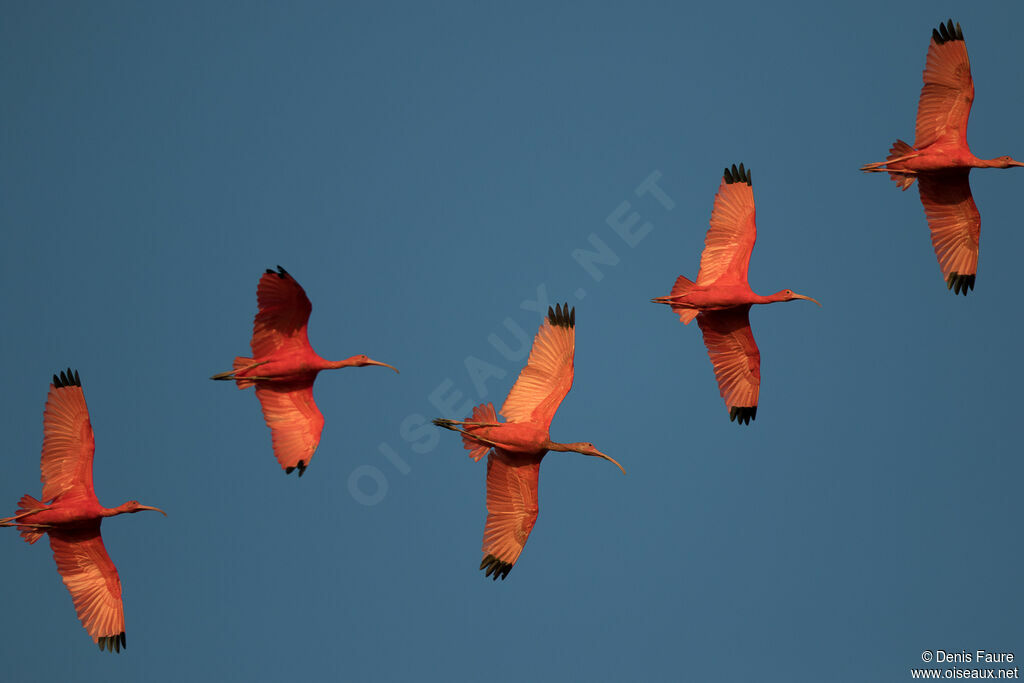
(294, 420)
(68, 442)
(92, 580)
(547, 377)
(283, 314)
(730, 239)
(954, 221)
(948, 91)
(734, 355)
(511, 509)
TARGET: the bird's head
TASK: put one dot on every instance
(136, 506)
(363, 360)
(587, 448)
(790, 295)
(1006, 162)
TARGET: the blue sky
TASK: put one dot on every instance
(427, 173)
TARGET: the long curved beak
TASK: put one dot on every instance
(805, 298)
(375, 362)
(147, 507)
(610, 459)
(1016, 163)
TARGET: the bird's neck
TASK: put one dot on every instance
(771, 298)
(336, 364)
(988, 163)
(119, 510)
(562, 447)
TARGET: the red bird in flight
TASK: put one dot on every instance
(941, 161)
(71, 514)
(516, 447)
(283, 368)
(721, 298)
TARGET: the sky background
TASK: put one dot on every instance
(426, 173)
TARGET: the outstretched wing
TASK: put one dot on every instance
(547, 377)
(68, 443)
(955, 224)
(283, 314)
(511, 510)
(733, 231)
(735, 357)
(948, 91)
(294, 420)
(92, 580)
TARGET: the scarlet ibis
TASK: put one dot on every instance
(941, 161)
(70, 514)
(283, 368)
(516, 447)
(721, 298)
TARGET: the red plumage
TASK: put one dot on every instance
(941, 161)
(284, 367)
(518, 445)
(721, 297)
(70, 513)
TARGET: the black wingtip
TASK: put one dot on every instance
(495, 567)
(562, 316)
(960, 284)
(736, 175)
(302, 467)
(280, 272)
(112, 643)
(947, 32)
(742, 414)
(67, 378)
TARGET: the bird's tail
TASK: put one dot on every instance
(483, 416)
(899, 151)
(26, 506)
(483, 413)
(241, 363)
(679, 289)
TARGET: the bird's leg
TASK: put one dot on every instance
(443, 422)
(447, 424)
(903, 158)
(478, 438)
(253, 377)
(878, 166)
(230, 374)
(903, 171)
(7, 521)
(25, 524)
